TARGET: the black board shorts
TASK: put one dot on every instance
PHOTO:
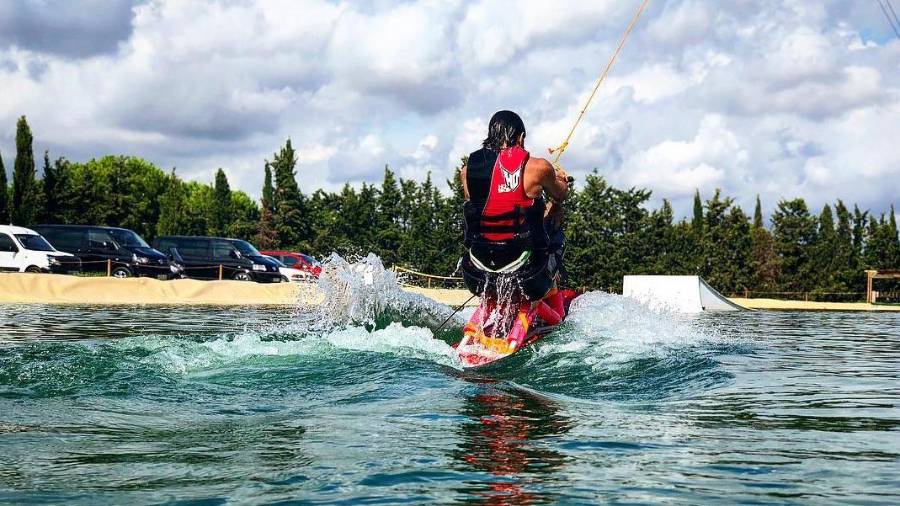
(532, 281)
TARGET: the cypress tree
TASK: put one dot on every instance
(290, 220)
(874, 244)
(894, 240)
(846, 263)
(25, 202)
(859, 231)
(757, 215)
(713, 268)
(4, 194)
(697, 221)
(268, 192)
(388, 235)
(266, 236)
(50, 183)
(824, 254)
(736, 253)
(221, 211)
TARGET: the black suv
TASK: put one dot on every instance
(96, 246)
(203, 258)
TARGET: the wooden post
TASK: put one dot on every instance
(746, 293)
(870, 298)
(220, 272)
(108, 267)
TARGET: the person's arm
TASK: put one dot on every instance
(553, 181)
(462, 176)
(554, 215)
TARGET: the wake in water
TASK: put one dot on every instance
(610, 346)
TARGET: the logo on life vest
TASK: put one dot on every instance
(511, 180)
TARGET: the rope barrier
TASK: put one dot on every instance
(109, 263)
(559, 150)
(422, 274)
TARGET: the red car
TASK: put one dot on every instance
(305, 263)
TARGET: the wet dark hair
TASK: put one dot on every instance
(503, 130)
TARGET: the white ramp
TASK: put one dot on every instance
(683, 294)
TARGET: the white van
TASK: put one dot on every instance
(24, 250)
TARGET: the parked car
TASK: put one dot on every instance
(24, 250)
(309, 265)
(203, 257)
(287, 273)
(96, 246)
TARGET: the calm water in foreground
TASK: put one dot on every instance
(149, 405)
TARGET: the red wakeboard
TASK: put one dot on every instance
(496, 331)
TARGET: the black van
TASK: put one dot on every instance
(202, 257)
(95, 246)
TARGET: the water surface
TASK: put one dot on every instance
(249, 405)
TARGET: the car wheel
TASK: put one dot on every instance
(242, 276)
(33, 269)
(121, 272)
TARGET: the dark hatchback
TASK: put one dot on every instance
(203, 256)
(119, 248)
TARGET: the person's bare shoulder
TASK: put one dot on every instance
(538, 174)
(541, 167)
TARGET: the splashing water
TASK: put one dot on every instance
(361, 293)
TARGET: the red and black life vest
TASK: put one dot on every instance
(502, 221)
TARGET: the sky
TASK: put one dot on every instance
(780, 99)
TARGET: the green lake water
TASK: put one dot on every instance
(360, 402)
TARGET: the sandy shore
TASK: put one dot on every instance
(52, 289)
(800, 305)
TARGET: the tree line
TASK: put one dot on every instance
(611, 231)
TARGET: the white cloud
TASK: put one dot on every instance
(677, 168)
(799, 55)
(653, 82)
(779, 98)
(682, 23)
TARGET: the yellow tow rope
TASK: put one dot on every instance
(559, 150)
